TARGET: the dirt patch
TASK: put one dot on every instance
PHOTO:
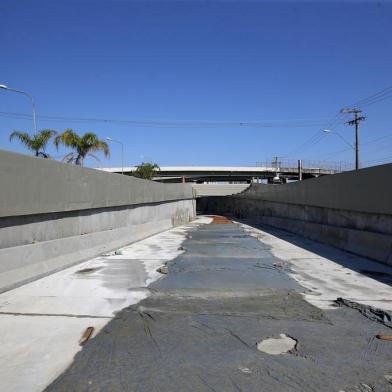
(220, 220)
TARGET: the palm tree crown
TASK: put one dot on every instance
(82, 145)
(36, 143)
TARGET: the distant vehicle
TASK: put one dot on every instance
(278, 180)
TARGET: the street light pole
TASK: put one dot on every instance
(4, 87)
(122, 152)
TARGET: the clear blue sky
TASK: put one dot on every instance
(198, 61)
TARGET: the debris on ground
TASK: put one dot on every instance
(86, 336)
(375, 314)
(163, 270)
(220, 220)
(275, 346)
(384, 337)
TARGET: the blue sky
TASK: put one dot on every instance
(197, 62)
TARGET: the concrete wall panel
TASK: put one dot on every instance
(366, 190)
(22, 263)
(32, 185)
(202, 190)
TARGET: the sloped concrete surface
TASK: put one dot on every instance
(326, 272)
(200, 327)
(42, 322)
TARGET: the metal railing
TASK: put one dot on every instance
(317, 165)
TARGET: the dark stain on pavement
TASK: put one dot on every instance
(199, 329)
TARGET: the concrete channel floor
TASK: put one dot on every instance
(42, 322)
(234, 287)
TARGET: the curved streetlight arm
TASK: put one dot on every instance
(31, 99)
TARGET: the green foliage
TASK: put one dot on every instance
(146, 170)
(36, 143)
(82, 146)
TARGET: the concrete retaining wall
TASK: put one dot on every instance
(35, 186)
(202, 190)
(352, 211)
(53, 215)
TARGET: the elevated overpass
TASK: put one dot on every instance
(233, 174)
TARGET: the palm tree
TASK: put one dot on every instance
(37, 142)
(83, 146)
(146, 170)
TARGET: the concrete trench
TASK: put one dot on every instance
(202, 327)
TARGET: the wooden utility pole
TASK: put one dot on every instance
(356, 121)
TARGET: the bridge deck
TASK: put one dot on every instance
(222, 173)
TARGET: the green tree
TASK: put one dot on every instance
(82, 146)
(36, 143)
(146, 170)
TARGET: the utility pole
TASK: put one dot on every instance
(299, 169)
(356, 121)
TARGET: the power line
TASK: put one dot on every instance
(340, 118)
(337, 152)
(364, 102)
(371, 141)
(174, 124)
(319, 135)
(307, 144)
(370, 97)
(374, 98)
(379, 160)
(377, 101)
(366, 144)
